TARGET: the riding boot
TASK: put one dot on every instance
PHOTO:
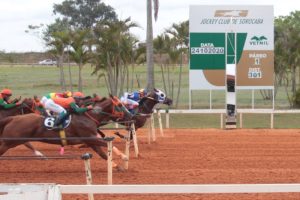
(59, 120)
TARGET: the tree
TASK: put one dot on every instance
(84, 14)
(162, 44)
(79, 51)
(114, 51)
(287, 41)
(57, 39)
(149, 57)
(180, 33)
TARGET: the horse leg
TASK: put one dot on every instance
(36, 152)
(115, 149)
(103, 155)
(101, 133)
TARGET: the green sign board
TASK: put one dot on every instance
(208, 50)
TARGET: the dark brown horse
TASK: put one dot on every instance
(82, 126)
(146, 107)
(26, 106)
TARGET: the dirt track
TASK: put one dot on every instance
(196, 156)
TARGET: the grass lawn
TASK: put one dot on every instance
(27, 81)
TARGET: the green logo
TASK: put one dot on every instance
(262, 40)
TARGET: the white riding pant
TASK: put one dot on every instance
(129, 103)
(50, 105)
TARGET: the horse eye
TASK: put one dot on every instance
(162, 95)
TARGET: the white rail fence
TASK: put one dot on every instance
(54, 192)
(177, 189)
(222, 112)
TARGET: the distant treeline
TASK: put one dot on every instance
(28, 57)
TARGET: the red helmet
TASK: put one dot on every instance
(78, 94)
(6, 92)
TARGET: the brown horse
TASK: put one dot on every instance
(27, 106)
(31, 127)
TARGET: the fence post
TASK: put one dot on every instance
(160, 123)
(86, 157)
(153, 128)
(221, 125)
(272, 120)
(167, 118)
(134, 137)
(241, 120)
(109, 162)
(127, 148)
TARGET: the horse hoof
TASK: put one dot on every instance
(124, 157)
(120, 168)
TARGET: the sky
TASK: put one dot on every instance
(16, 15)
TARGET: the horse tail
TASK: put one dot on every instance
(4, 122)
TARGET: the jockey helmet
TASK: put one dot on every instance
(142, 92)
(67, 94)
(160, 96)
(6, 92)
(78, 94)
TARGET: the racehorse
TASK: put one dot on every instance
(31, 127)
(26, 106)
(145, 109)
(146, 106)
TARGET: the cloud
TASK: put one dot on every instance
(16, 15)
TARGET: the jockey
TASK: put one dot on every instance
(69, 104)
(131, 100)
(59, 102)
(39, 106)
(5, 99)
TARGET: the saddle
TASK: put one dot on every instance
(49, 122)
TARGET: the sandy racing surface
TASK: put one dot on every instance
(195, 156)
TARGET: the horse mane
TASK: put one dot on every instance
(101, 100)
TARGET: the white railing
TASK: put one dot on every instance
(176, 189)
(223, 111)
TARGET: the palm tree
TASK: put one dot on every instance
(57, 44)
(114, 51)
(180, 33)
(80, 52)
(162, 44)
(149, 57)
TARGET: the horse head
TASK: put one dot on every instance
(161, 97)
(28, 105)
(152, 98)
(110, 109)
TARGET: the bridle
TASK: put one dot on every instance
(25, 105)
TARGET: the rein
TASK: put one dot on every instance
(115, 112)
(27, 106)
